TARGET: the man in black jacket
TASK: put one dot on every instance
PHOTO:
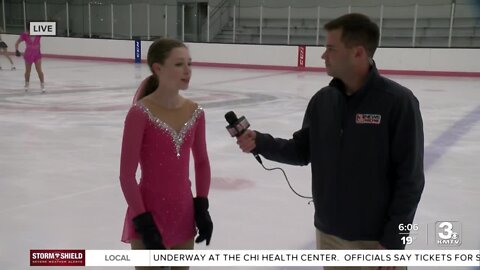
(363, 135)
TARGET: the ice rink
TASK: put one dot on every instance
(60, 152)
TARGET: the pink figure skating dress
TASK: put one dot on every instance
(165, 187)
(32, 51)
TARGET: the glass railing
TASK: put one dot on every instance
(413, 24)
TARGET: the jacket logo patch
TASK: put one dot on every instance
(365, 118)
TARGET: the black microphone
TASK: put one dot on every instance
(237, 126)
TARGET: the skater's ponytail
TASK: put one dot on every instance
(157, 53)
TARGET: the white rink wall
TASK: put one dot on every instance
(420, 61)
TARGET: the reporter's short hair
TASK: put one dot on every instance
(357, 30)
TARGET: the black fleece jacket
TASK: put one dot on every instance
(366, 155)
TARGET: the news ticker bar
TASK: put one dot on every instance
(256, 257)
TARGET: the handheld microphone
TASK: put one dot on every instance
(237, 126)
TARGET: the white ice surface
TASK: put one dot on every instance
(59, 157)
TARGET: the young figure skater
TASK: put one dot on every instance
(32, 55)
(4, 52)
(161, 129)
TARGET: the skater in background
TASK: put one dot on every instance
(4, 51)
(363, 136)
(32, 55)
(161, 129)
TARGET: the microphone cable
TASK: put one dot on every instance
(257, 157)
(236, 126)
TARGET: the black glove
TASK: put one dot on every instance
(145, 226)
(18, 53)
(203, 220)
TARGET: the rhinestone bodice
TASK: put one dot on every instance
(176, 137)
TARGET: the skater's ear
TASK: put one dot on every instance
(156, 67)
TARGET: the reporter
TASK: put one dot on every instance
(363, 135)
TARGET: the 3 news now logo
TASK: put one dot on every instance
(54, 257)
(448, 233)
(43, 28)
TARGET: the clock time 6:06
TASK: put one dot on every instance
(407, 227)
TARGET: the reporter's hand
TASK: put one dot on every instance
(246, 141)
(18, 53)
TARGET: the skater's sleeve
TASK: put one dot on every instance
(130, 156)
(200, 156)
(19, 40)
